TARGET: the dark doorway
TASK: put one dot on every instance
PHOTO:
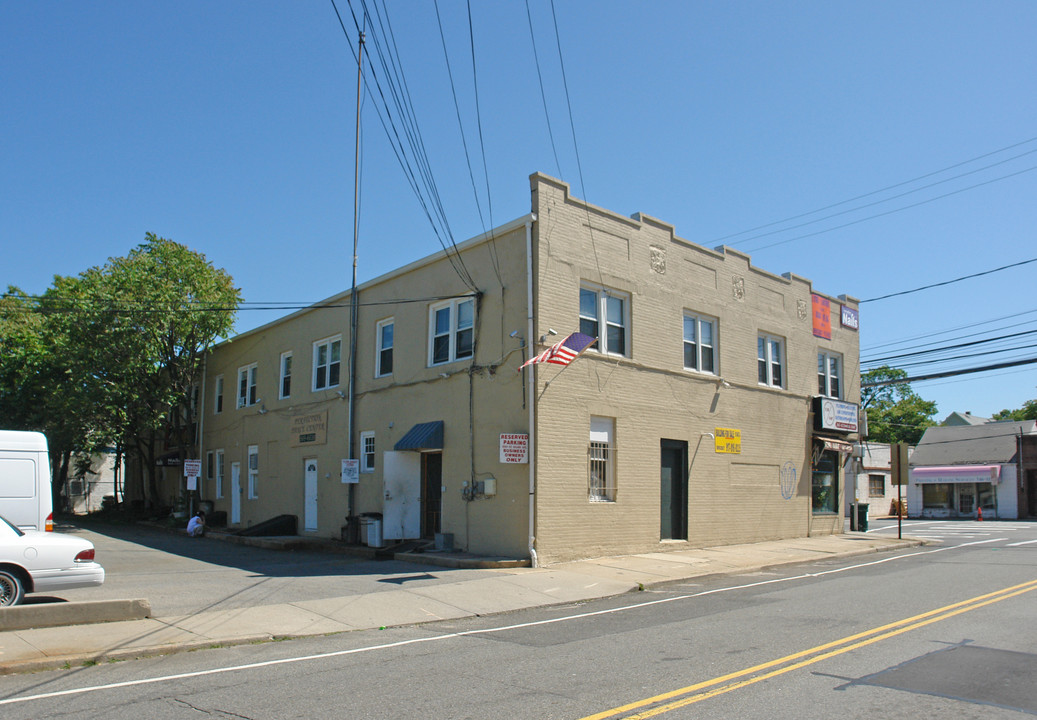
(431, 493)
(673, 498)
(1031, 493)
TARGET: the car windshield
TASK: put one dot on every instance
(5, 525)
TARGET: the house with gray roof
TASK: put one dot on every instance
(970, 471)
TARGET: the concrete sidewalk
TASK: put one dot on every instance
(495, 590)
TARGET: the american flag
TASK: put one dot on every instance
(564, 351)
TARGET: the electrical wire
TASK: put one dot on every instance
(876, 192)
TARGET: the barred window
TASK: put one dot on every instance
(601, 465)
(876, 485)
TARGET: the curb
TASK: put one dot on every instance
(91, 612)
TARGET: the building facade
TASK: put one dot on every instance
(717, 406)
(872, 481)
(959, 470)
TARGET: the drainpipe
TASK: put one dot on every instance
(531, 391)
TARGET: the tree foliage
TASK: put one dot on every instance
(895, 412)
(111, 356)
(1027, 412)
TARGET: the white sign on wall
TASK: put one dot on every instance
(514, 448)
(350, 471)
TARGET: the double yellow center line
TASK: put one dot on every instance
(666, 702)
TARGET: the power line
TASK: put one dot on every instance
(951, 282)
(949, 373)
(876, 192)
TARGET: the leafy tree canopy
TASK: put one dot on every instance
(895, 412)
(1027, 412)
(111, 356)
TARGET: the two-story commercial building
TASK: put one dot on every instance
(717, 405)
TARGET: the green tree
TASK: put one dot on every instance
(112, 356)
(895, 412)
(1027, 412)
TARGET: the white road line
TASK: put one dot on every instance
(1024, 542)
(467, 633)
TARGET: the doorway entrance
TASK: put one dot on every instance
(431, 494)
(673, 490)
(310, 499)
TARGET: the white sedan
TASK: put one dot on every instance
(34, 562)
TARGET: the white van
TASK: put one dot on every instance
(25, 498)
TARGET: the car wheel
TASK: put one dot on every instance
(11, 591)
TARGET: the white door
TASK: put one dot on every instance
(310, 502)
(235, 493)
(401, 517)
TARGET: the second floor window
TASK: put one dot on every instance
(452, 330)
(605, 314)
(384, 338)
(327, 363)
(699, 343)
(829, 373)
(770, 356)
(218, 405)
(286, 375)
(247, 385)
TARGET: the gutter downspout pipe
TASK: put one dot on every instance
(531, 391)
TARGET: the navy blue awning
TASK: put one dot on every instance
(423, 436)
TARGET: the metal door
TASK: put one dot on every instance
(235, 493)
(310, 501)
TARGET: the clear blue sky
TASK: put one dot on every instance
(228, 126)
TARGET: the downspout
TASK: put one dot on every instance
(531, 391)
(201, 427)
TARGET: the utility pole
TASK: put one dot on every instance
(353, 304)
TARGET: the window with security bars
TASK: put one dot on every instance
(876, 485)
(601, 462)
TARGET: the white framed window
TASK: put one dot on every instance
(219, 474)
(700, 343)
(210, 465)
(605, 314)
(384, 344)
(247, 385)
(601, 461)
(253, 472)
(829, 374)
(285, 384)
(451, 331)
(217, 405)
(367, 456)
(770, 357)
(327, 363)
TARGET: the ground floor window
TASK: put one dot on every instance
(825, 483)
(876, 485)
(601, 461)
(937, 496)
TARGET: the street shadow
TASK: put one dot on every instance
(260, 562)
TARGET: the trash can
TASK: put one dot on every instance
(862, 517)
(371, 529)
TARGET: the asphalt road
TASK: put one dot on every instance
(181, 575)
(945, 631)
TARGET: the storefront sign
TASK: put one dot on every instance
(727, 440)
(851, 318)
(309, 429)
(957, 474)
(822, 317)
(836, 415)
(514, 448)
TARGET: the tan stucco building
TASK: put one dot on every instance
(717, 406)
